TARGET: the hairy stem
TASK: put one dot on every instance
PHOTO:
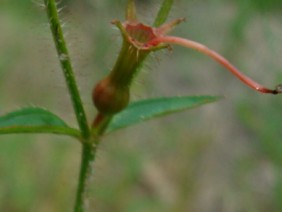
(89, 150)
(89, 147)
(86, 169)
(65, 62)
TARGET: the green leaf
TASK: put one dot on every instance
(147, 109)
(163, 12)
(34, 120)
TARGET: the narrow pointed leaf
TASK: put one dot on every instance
(34, 120)
(131, 11)
(147, 109)
(163, 12)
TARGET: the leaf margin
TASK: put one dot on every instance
(114, 124)
(60, 128)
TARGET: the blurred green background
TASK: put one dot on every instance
(225, 156)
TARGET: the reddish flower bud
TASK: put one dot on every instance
(110, 98)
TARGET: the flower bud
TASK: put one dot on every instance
(110, 98)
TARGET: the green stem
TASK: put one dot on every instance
(88, 156)
(88, 147)
(87, 159)
(65, 62)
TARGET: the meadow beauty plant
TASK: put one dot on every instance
(111, 96)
